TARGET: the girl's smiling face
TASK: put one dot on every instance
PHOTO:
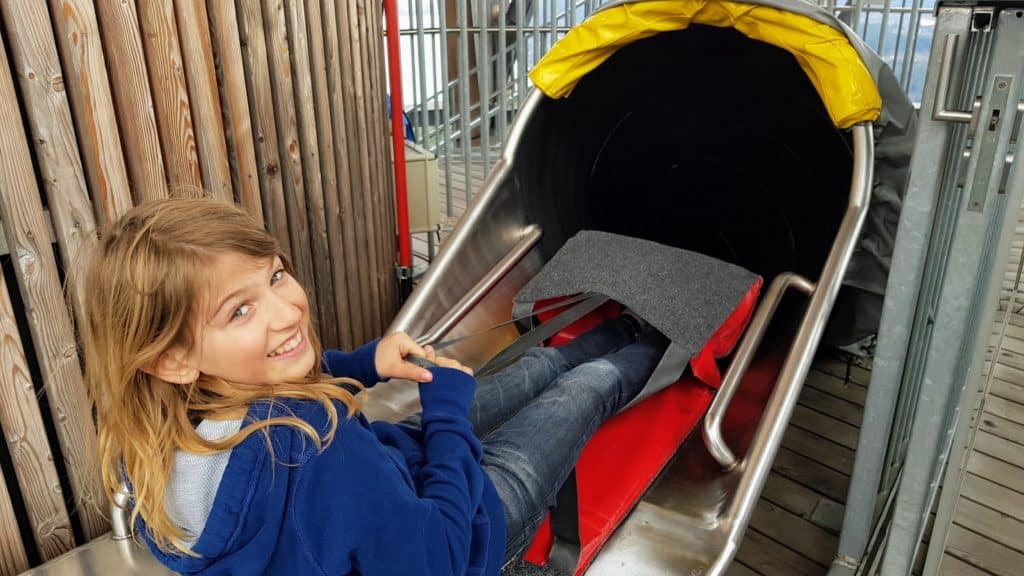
(256, 324)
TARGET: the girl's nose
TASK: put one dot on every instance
(286, 313)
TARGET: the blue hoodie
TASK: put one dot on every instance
(380, 499)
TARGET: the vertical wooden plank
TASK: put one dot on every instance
(387, 207)
(170, 93)
(237, 123)
(197, 51)
(346, 262)
(369, 29)
(328, 169)
(361, 194)
(12, 551)
(311, 166)
(85, 74)
(52, 333)
(261, 105)
(291, 151)
(133, 101)
(27, 443)
(37, 65)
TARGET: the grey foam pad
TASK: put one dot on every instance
(685, 295)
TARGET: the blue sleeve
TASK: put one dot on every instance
(365, 513)
(359, 364)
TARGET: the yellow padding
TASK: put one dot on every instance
(826, 56)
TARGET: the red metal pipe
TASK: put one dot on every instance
(398, 135)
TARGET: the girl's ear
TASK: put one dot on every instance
(174, 366)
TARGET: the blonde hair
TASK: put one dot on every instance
(145, 284)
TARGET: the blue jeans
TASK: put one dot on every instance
(535, 416)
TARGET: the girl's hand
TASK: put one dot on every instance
(390, 358)
(446, 362)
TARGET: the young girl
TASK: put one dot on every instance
(243, 447)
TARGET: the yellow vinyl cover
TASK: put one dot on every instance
(826, 56)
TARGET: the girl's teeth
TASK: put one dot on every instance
(287, 346)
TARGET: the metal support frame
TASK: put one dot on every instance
(938, 296)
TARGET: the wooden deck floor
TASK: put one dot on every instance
(986, 533)
(794, 530)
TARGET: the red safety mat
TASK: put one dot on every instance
(626, 454)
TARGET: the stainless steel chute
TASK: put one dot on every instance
(702, 139)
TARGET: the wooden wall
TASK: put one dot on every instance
(275, 104)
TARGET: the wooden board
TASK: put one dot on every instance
(237, 124)
(984, 491)
(129, 79)
(345, 261)
(299, 45)
(12, 551)
(26, 441)
(78, 41)
(197, 54)
(983, 553)
(37, 65)
(323, 59)
(170, 94)
(48, 317)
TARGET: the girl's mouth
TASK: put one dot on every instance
(292, 347)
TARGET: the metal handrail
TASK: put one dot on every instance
(530, 237)
(757, 463)
(712, 429)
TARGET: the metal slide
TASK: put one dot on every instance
(699, 137)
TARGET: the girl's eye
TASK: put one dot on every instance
(277, 276)
(241, 312)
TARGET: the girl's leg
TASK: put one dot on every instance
(505, 392)
(530, 456)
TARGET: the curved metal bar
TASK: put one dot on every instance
(741, 361)
(530, 237)
(757, 463)
(940, 111)
(120, 524)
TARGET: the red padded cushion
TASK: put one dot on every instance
(625, 455)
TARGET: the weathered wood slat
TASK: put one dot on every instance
(13, 559)
(992, 524)
(197, 53)
(839, 432)
(345, 262)
(806, 538)
(47, 314)
(953, 566)
(126, 63)
(237, 123)
(815, 476)
(383, 190)
(276, 29)
(78, 41)
(774, 559)
(26, 441)
(983, 553)
(816, 445)
(348, 25)
(999, 448)
(299, 46)
(37, 65)
(321, 92)
(261, 106)
(836, 387)
(996, 470)
(993, 495)
(1003, 428)
(170, 94)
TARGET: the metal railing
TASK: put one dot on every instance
(466, 62)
